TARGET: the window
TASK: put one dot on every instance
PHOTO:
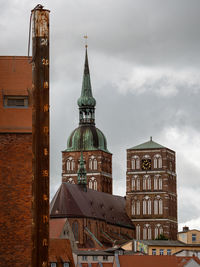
(66, 264)
(144, 183)
(133, 183)
(169, 252)
(160, 184)
(144, 233)
(156, 232)
(135, 163)
(149, 232)
(93, 163)
(144, 207)
(138, 207)
(75, 230)
(53, 264)
(160, 206)
(70, 180)
(161, 251)
(155, 206)
(155, 183)
(194, 238)
(133, 207)
(149, 183)
(157, 161)
(93, 183)
(149, 206)
(153, 251)
(138, 183)
(70, 164)
(105, 258)
(95, 258)
(16, 101)
(84, 258)
(138, 232)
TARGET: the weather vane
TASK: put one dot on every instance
(86, 37)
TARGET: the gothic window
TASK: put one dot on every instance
(160, 183)
(135, 162)
(144, 206)
(138, 183)
(160, 206)
(144, 233)
(156, 183)
(133, 183)
(157, 161)
(158, 231)
(138, 232)
(133, 207)
(70, 164)
(149, 183)
(92, 163)
(149, 206)
(149, 232)
(144, 183)
(93, 183)
(75, 230)
(138, 207)
(155, 206)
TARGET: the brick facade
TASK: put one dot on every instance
(98, 165)
(15, 199)
(151, 194)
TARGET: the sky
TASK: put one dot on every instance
(144, 66)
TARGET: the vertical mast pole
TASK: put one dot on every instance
(40, 132)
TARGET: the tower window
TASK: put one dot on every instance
(93, 163)
(157, 161)
(93, 183)
(135, 162)
(70, 164)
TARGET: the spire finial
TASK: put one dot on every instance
(150, 138)
(86, 37)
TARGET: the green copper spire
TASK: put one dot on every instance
(82, 179)
(86, 101)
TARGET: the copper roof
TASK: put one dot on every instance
(71, 201)
(56, 227)
(60, 251)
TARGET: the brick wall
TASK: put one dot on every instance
(15, 199)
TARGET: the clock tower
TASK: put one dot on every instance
(151, 190)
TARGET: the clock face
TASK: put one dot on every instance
(146, 164)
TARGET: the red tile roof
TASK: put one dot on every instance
(153, 261)
(56, 227)
(60, 251)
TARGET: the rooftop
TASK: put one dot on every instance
(147, 145)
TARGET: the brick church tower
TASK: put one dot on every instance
(91, 141)
(151, 190)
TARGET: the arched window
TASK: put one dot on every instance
(138, 183)
(144, 233)
(160, 183)
(133, 207)
(95, 164)
(93, 183)
(135, 163)
(156, 232)
(149, 232)
(160, 206)
(92, 163)
(138, 232)
(149, 206)
(138, 207)
(90, 184)
(157, 161)
(75, 230)
(156, 182)
(133, 182)
(155, 206)
(149, 183)
(144, 182)
(144, 206)
(70, 164)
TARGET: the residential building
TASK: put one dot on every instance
(189, 236)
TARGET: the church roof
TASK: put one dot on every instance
(72, 201)
(147, 145)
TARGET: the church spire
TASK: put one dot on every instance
(86, 101)
(82, 179)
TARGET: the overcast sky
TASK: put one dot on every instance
(144, 65)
